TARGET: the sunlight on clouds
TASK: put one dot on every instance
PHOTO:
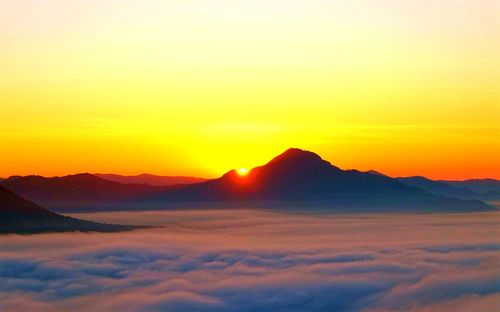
(258, 261)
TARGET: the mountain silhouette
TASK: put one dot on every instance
(75, 190)
(302, 176)
(293, 178)
(491, 186)
(150, 179)
(445, 189)
(375, 172)
(21, 216)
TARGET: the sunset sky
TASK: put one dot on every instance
(197, 88)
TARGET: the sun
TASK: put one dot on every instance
(243, 171)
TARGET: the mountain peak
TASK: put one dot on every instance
(296, 153)
(375, 172)
(298, 156)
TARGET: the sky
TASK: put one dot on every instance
(201, 87)
(242, 260)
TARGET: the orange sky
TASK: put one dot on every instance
(199, 87)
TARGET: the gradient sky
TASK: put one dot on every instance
(200, 87)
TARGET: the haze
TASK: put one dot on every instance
(246, 260)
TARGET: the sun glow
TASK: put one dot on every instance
(243, 171)
(160, 88)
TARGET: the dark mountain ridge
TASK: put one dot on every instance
(21, 216)
(150, 179)
(76, 190)
(446, 189)
(303, 176)
(295, 177)
(476, 185)
(295, 173)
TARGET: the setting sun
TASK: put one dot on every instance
(243, 171)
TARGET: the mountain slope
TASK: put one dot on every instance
(444, 189)
(491, 186)
(296, 177)
(302, 176)
(295, 173)
(75, 190)
(18, 215)
(375, 172)
(150, 179)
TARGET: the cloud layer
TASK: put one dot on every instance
(259, 261)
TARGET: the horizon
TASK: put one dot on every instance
(236, 169)
(240, 169)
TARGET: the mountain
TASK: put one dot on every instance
(77, 190)
(18, 215)
(299, 176)
(150, 179)
(445, 189)
(477, 185)
(375, 172)
(294, 178)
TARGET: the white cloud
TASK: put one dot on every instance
(258, 261)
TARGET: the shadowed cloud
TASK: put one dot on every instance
(257, 261)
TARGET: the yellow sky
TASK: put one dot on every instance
(200, 87)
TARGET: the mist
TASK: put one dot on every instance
(249, 260)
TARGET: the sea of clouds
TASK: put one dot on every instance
(259, 261)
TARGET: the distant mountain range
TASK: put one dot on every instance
(150, 179)
(457, 189)
(481, 189)
(477, 185)
(294, 178)
(79, 190)
(298, 176)
(20, 216)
